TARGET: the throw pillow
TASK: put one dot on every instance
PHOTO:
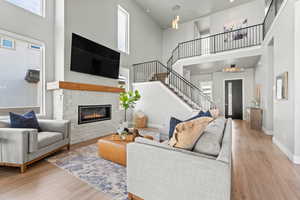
(173, 123)
(210, 141)
(28, 120)
(205, 114)
(187, 133)
(200, 114)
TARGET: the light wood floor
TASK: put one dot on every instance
(260, 172)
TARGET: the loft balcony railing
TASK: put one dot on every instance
(272, 12)
(230, 40)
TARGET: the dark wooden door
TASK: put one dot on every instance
(234, 99)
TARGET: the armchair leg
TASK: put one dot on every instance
(133, 197)
(130, 196)
(23, 168)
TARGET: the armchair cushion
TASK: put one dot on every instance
(60, 126)
(48, 138)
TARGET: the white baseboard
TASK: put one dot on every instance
(283, 148)
(296, 159)
(267, 131)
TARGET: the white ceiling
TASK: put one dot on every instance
(210, 67)
(161, 10)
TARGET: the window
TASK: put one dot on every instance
(22, 75)
(34, 47)
(206, 87)
(7, 43)
(34, 6)
(123, 30)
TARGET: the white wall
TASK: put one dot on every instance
(160, 109)
(264, 77)
(97, 21)
(218, 81)
(22, 22)
(172, 37)
(283, 34)
(296, 75)
(253, 11)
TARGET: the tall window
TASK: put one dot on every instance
(34, 6)
(123, 30)
(21, 77)
(206, 87)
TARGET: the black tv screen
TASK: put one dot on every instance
(92, 58)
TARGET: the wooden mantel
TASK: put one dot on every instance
(57, 85)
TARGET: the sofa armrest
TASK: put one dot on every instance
(60, 126)
(14, 144)
(158, 173)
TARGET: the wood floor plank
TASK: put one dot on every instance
(260, 172)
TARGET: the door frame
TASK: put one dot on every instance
(243, 95)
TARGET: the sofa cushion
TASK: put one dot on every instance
(210, 141)
(187, 133)
(48, 138)
(28, 120)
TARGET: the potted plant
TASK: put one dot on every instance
(128, 100)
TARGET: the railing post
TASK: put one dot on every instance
(178, 52)
(156, 70)
(134, 75)
(214, 43)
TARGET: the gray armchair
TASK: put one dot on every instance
(22, 147)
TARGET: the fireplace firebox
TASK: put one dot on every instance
(93, 113)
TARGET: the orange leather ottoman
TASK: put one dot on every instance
(113, 150)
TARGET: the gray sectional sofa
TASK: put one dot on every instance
(156, 171)
(21, 147)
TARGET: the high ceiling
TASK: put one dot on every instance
(210, 67)
(161, 10)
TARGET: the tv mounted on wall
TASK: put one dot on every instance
(92, 58)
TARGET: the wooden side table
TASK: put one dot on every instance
(256, 116)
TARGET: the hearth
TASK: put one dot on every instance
(93, 113)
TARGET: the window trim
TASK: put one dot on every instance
(42, 98)
(127, 45)
(42, 8)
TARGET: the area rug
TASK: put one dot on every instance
(85, 164)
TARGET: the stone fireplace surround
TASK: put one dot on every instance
(69, 96)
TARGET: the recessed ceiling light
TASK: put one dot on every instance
(231, 1)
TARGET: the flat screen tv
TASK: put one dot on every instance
(92, 58)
